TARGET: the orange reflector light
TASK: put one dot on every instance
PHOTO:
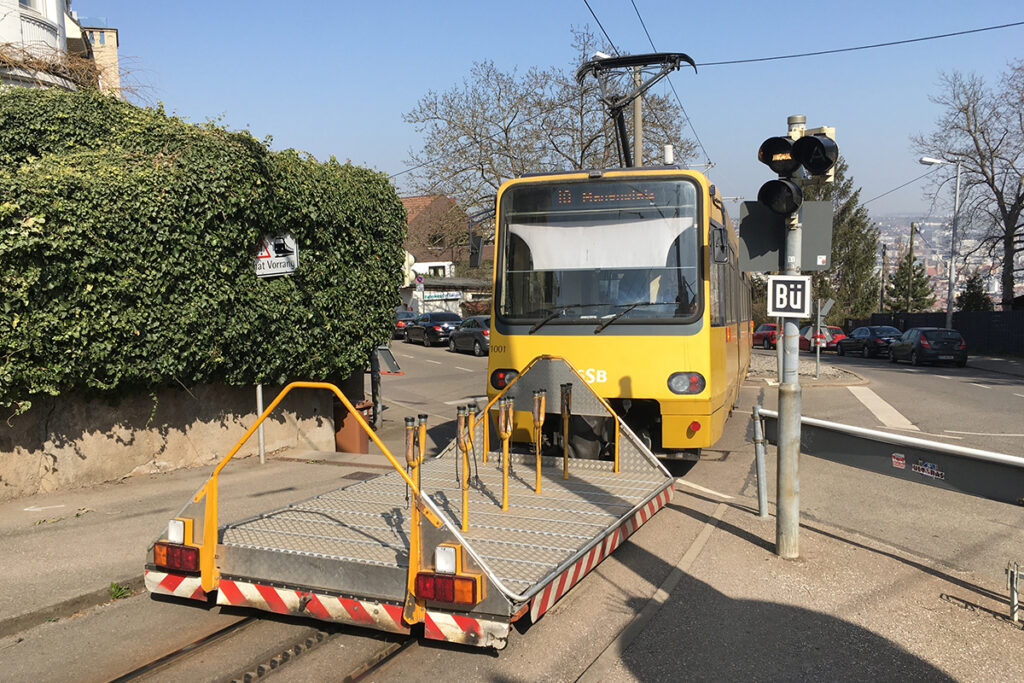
(173, 556)
(695, 426)
(446, 588)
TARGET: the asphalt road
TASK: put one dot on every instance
(961, 533)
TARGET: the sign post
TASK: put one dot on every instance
(797, 157)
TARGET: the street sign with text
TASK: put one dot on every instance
(789, 296)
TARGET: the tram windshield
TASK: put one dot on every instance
(592, 251)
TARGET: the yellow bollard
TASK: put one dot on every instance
(505, 431)
(463, 444)
(566, 415)
(413, 607)
(538, 427)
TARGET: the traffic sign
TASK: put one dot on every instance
(276, 255)
(789, 296)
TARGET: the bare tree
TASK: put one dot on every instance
(982, 129)
(499, 125)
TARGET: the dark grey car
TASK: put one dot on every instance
(474, 334)
(930, 345)
(432, 328)
(869, 341)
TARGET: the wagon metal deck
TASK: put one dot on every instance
(345, 555)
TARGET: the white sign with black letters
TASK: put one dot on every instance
(276, 255)
(789, 296)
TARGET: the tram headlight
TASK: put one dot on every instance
(686, 383)
(503, 377)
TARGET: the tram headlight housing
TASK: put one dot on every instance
(686, 383)
(503, 377)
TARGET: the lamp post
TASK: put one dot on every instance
(929, 161)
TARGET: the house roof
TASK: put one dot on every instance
(415, 205)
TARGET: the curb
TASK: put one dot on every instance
(22, 622)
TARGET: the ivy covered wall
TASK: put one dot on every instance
(126, 253)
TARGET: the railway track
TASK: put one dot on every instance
(254, 647)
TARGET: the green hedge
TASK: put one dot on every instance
(126, 253)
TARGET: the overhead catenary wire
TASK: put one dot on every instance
(863, 47)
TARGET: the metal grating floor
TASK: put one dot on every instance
(368, 522)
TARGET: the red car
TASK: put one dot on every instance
(836, 333)
(764, 335)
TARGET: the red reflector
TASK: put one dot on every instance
(695, 426)
(425, 586)
(487, 333)
(173, 556)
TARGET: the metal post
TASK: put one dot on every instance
(910, 270)
(538, 427)
(787, 527)
(259, 431)
(463, 444)
(817, 337)
(566, 416)
(779, 338)
(952, 252)
(505, 431)
(1012, 577)
(762, 479)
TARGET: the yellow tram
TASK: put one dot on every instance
(631, 275)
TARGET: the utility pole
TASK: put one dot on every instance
(638, 120)
(910, 271)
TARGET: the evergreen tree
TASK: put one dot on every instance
(910, 276)
(974, 298)
(852, 280)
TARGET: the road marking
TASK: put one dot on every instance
(435, 362)
(979, 385)
(886, 414)
(1021, 395)
(918, 431)
(700, 488)
(471, 399)
(405, 355)
(943, 377)
(982, 433)
(457, 367)
(33, 508)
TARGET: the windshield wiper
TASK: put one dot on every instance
(618, 315)
(541, 323)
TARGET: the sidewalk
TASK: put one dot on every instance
(1002, 365)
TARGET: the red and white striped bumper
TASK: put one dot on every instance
(178, 585)
(467, 630)
(368, 613)
(561, 584)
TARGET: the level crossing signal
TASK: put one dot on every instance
(816, 152)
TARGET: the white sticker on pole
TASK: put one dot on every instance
(789, 296)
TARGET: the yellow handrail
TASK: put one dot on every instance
(207, 567)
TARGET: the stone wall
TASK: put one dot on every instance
(68, 441)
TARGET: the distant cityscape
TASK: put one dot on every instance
(931, 248)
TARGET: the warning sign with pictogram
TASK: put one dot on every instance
(276, 255)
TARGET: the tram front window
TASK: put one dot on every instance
(583, 252)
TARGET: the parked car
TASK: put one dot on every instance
(834, 335)
(764, 335)
(869, 341)
(474, 334)
(930, 345)
(432, 328)
(402, 318)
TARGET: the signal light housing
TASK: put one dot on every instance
(817, 153)
(777, 154)
(781, 196)
(184, 558)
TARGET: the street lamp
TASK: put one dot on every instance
(929, 161)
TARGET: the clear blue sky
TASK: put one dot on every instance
(336, 77)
